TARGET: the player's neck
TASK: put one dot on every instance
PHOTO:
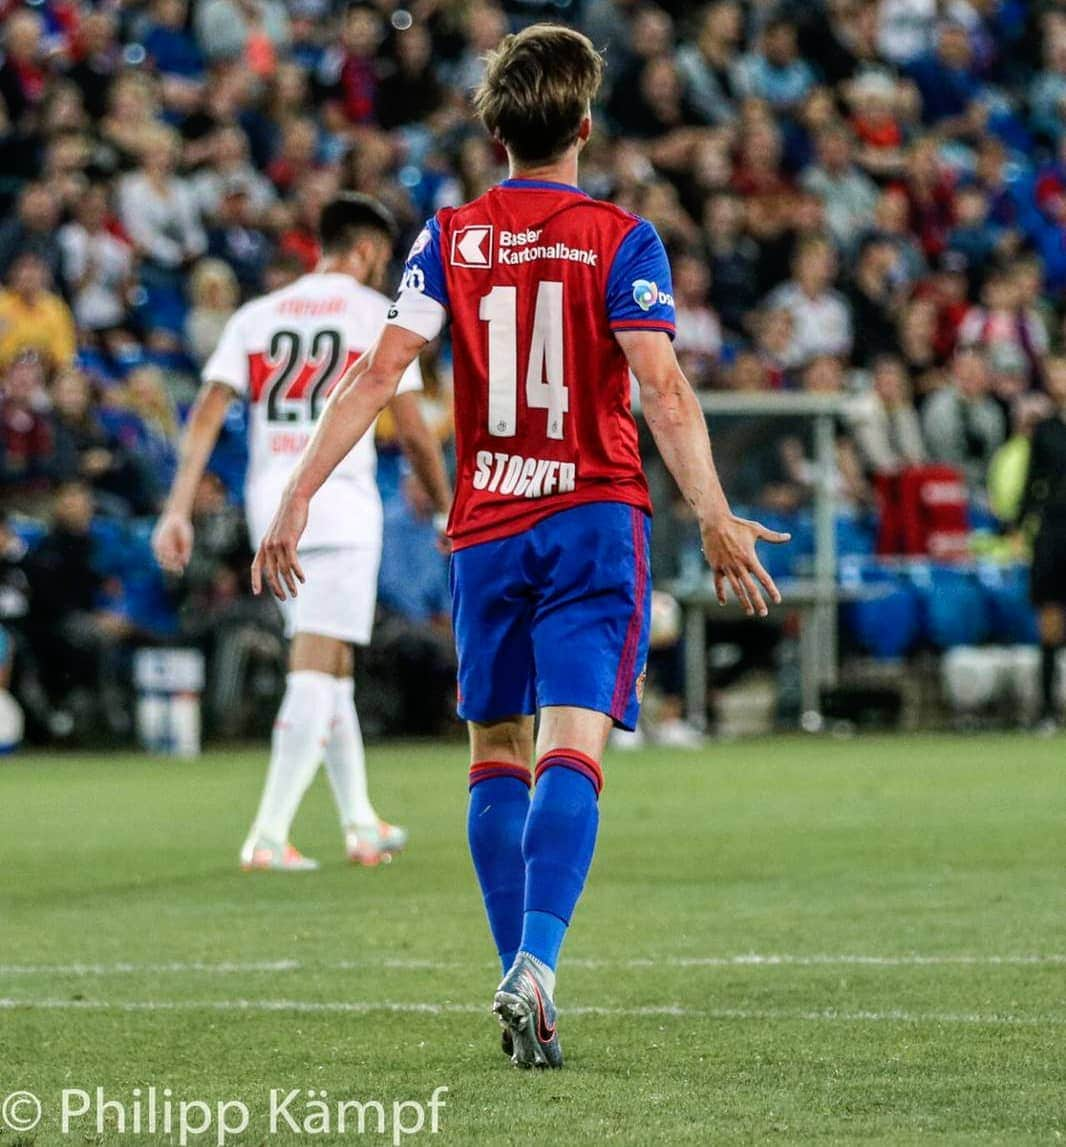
(562, 170)
(330, 265)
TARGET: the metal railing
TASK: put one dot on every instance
(819, 595)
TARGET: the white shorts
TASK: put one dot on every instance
(338, 597)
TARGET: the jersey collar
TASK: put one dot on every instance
(542, 185)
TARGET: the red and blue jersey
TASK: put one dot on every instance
(537, 278)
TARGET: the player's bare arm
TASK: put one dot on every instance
(680, 431)
(173, 535)
(358, 399)
(422, 449)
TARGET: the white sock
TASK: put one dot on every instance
(296, 748)
(346, 759)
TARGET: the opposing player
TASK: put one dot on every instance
(282, 354)
(553, 297)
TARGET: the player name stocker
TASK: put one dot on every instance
(523, 477)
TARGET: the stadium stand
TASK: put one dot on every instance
(863, 198)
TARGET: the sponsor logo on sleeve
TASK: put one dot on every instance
(420, 244)
(413, 280)
(472, 247)
(646, 295)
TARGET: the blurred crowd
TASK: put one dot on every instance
(860, 197)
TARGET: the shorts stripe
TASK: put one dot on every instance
(628, 663)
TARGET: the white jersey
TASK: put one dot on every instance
(284, 353)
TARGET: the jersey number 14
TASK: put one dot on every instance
(545, 389)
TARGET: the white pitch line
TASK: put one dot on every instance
(663, 1011)
(744, 960)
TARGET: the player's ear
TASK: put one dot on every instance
(584, 129)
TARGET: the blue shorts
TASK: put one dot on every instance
(556, 615)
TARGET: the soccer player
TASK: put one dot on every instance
(282, 354)
(553, 297)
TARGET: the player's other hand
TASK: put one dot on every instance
(172, 541)
(729, 546)
(276, 562)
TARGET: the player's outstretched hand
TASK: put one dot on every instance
(729, 546)
(172, 542)
(276, 562)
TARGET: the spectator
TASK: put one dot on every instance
(23, 77)
(876, 120)
(885, 424)
(234, 239)
(229, 167)
(77, 640)
(32, 228)
(706, 67)
(97, 59)
(215, 295)
(973, 236)
(891, 226)
(774, 72)
(32, 318)
(905, 29)
(821, 324)
(357, 80)
(948, 84)
(962, 424)
(849, 196)
(698, 342)
(132, 121)
(158, 209)
(86, 452)
(733, 260)
(27, 437)
(150, 434)
(296, 156)
(250, 30)
(917, 333)
(67, 158)
(747, 374)
(409, 91)
(758, 179)
(1047, 91)
(174, 52)
(773, 337)
(97, 265)
(930, 195)
(485, 27)
(999, 322)
(874, 300)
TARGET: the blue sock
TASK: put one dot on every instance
(499, 804)
(558, 844)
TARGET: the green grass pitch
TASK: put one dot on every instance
(788, 940)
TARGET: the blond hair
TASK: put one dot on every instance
(537, 89)
(213, 274)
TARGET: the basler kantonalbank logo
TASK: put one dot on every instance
(472, 246)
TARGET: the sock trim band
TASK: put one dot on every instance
(577, 761)
(486, 770)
